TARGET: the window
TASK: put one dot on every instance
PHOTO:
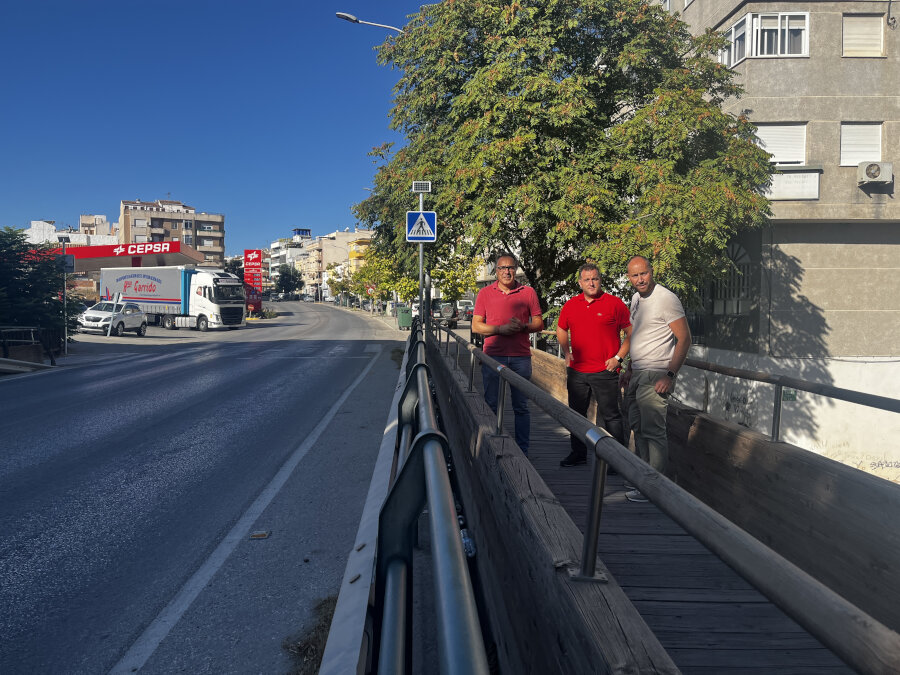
(189, 239)
(188, 224)
(776, 34)
(174, 226)
(207, 242)
(733, 294)
(863, 35)
(207, 228)
(860, 142)
(785, 142)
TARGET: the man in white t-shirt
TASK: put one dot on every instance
(660, 339)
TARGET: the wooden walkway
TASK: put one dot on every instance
(707, 617)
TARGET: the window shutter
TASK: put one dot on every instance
(863, 35)
(786, 142)
(860, 143)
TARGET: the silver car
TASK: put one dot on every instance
(123, 317)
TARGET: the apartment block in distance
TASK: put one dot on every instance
(169, 220)
(816, 295)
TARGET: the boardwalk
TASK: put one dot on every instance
(707, 617)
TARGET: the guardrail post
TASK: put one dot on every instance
(472, 361)
(501, 401)
(776, 413)
(593, 437)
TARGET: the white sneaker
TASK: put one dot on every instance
(635, 496)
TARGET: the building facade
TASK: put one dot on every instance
(168, 220)
(816, 295)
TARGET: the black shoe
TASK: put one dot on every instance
(574, 459)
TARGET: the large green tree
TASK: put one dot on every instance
(30, 283)
(289, 279)
(564, 131)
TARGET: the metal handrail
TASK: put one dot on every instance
(860, 640)
(421, 478)
(782, 381)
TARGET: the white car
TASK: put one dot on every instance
(123, 317)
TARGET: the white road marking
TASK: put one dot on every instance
(156, 632)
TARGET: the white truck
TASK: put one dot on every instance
(179, 296)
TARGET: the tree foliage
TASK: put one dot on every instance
(289, 279)
(568, 131)
(30, 282)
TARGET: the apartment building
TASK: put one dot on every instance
(817, 294)
(320, 252)
(169, 220)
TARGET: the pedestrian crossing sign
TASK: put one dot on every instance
(421, 226)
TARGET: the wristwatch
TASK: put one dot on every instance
(670, 374)
(617, 358)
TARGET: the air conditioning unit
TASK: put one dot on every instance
(868, 173)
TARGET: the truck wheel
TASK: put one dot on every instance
(168, 322)
(120, 330)
(142, 331)
(202, 324)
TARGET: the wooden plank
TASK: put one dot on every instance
(827, 518)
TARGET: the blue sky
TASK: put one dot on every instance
(263, 110)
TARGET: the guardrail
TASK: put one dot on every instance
(862, 642)
(11, 336)
(421, 477)
(782, 381)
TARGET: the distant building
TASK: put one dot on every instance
(329, 249)
(168, 220)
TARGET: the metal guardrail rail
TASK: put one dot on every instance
(861, 641)
(782, 381)
(421, 477)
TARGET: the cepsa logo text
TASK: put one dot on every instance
(137, 249)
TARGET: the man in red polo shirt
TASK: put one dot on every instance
(506, 312)
(593, 354)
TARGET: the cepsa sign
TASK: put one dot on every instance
(116, 250)
(253, 268)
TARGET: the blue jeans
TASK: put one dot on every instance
(490, 379)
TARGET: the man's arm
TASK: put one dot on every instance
(613, 363)
(535, 324)
(562, 337)
(682, 333)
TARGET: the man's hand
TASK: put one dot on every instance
(612, 364)
(568, 358)
(663, 385)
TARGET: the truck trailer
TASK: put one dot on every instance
(179, 296)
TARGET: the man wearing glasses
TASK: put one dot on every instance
(593, 354)
(505, 313)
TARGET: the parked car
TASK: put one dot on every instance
(444, 312)
(466, 309)
(122, 316)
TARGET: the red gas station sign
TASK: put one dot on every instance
(253, 268)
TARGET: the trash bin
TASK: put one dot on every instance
(404, 318)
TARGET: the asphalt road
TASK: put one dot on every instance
(133, 476)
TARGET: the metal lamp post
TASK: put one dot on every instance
(64, 239)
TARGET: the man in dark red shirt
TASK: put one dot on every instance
(593, 354)
(506, 312)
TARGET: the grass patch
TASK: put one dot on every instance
(306, 652)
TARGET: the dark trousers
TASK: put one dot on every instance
(604, 387)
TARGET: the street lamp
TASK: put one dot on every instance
(64, 239)
(353, 19)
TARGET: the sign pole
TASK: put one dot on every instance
(421, 269)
